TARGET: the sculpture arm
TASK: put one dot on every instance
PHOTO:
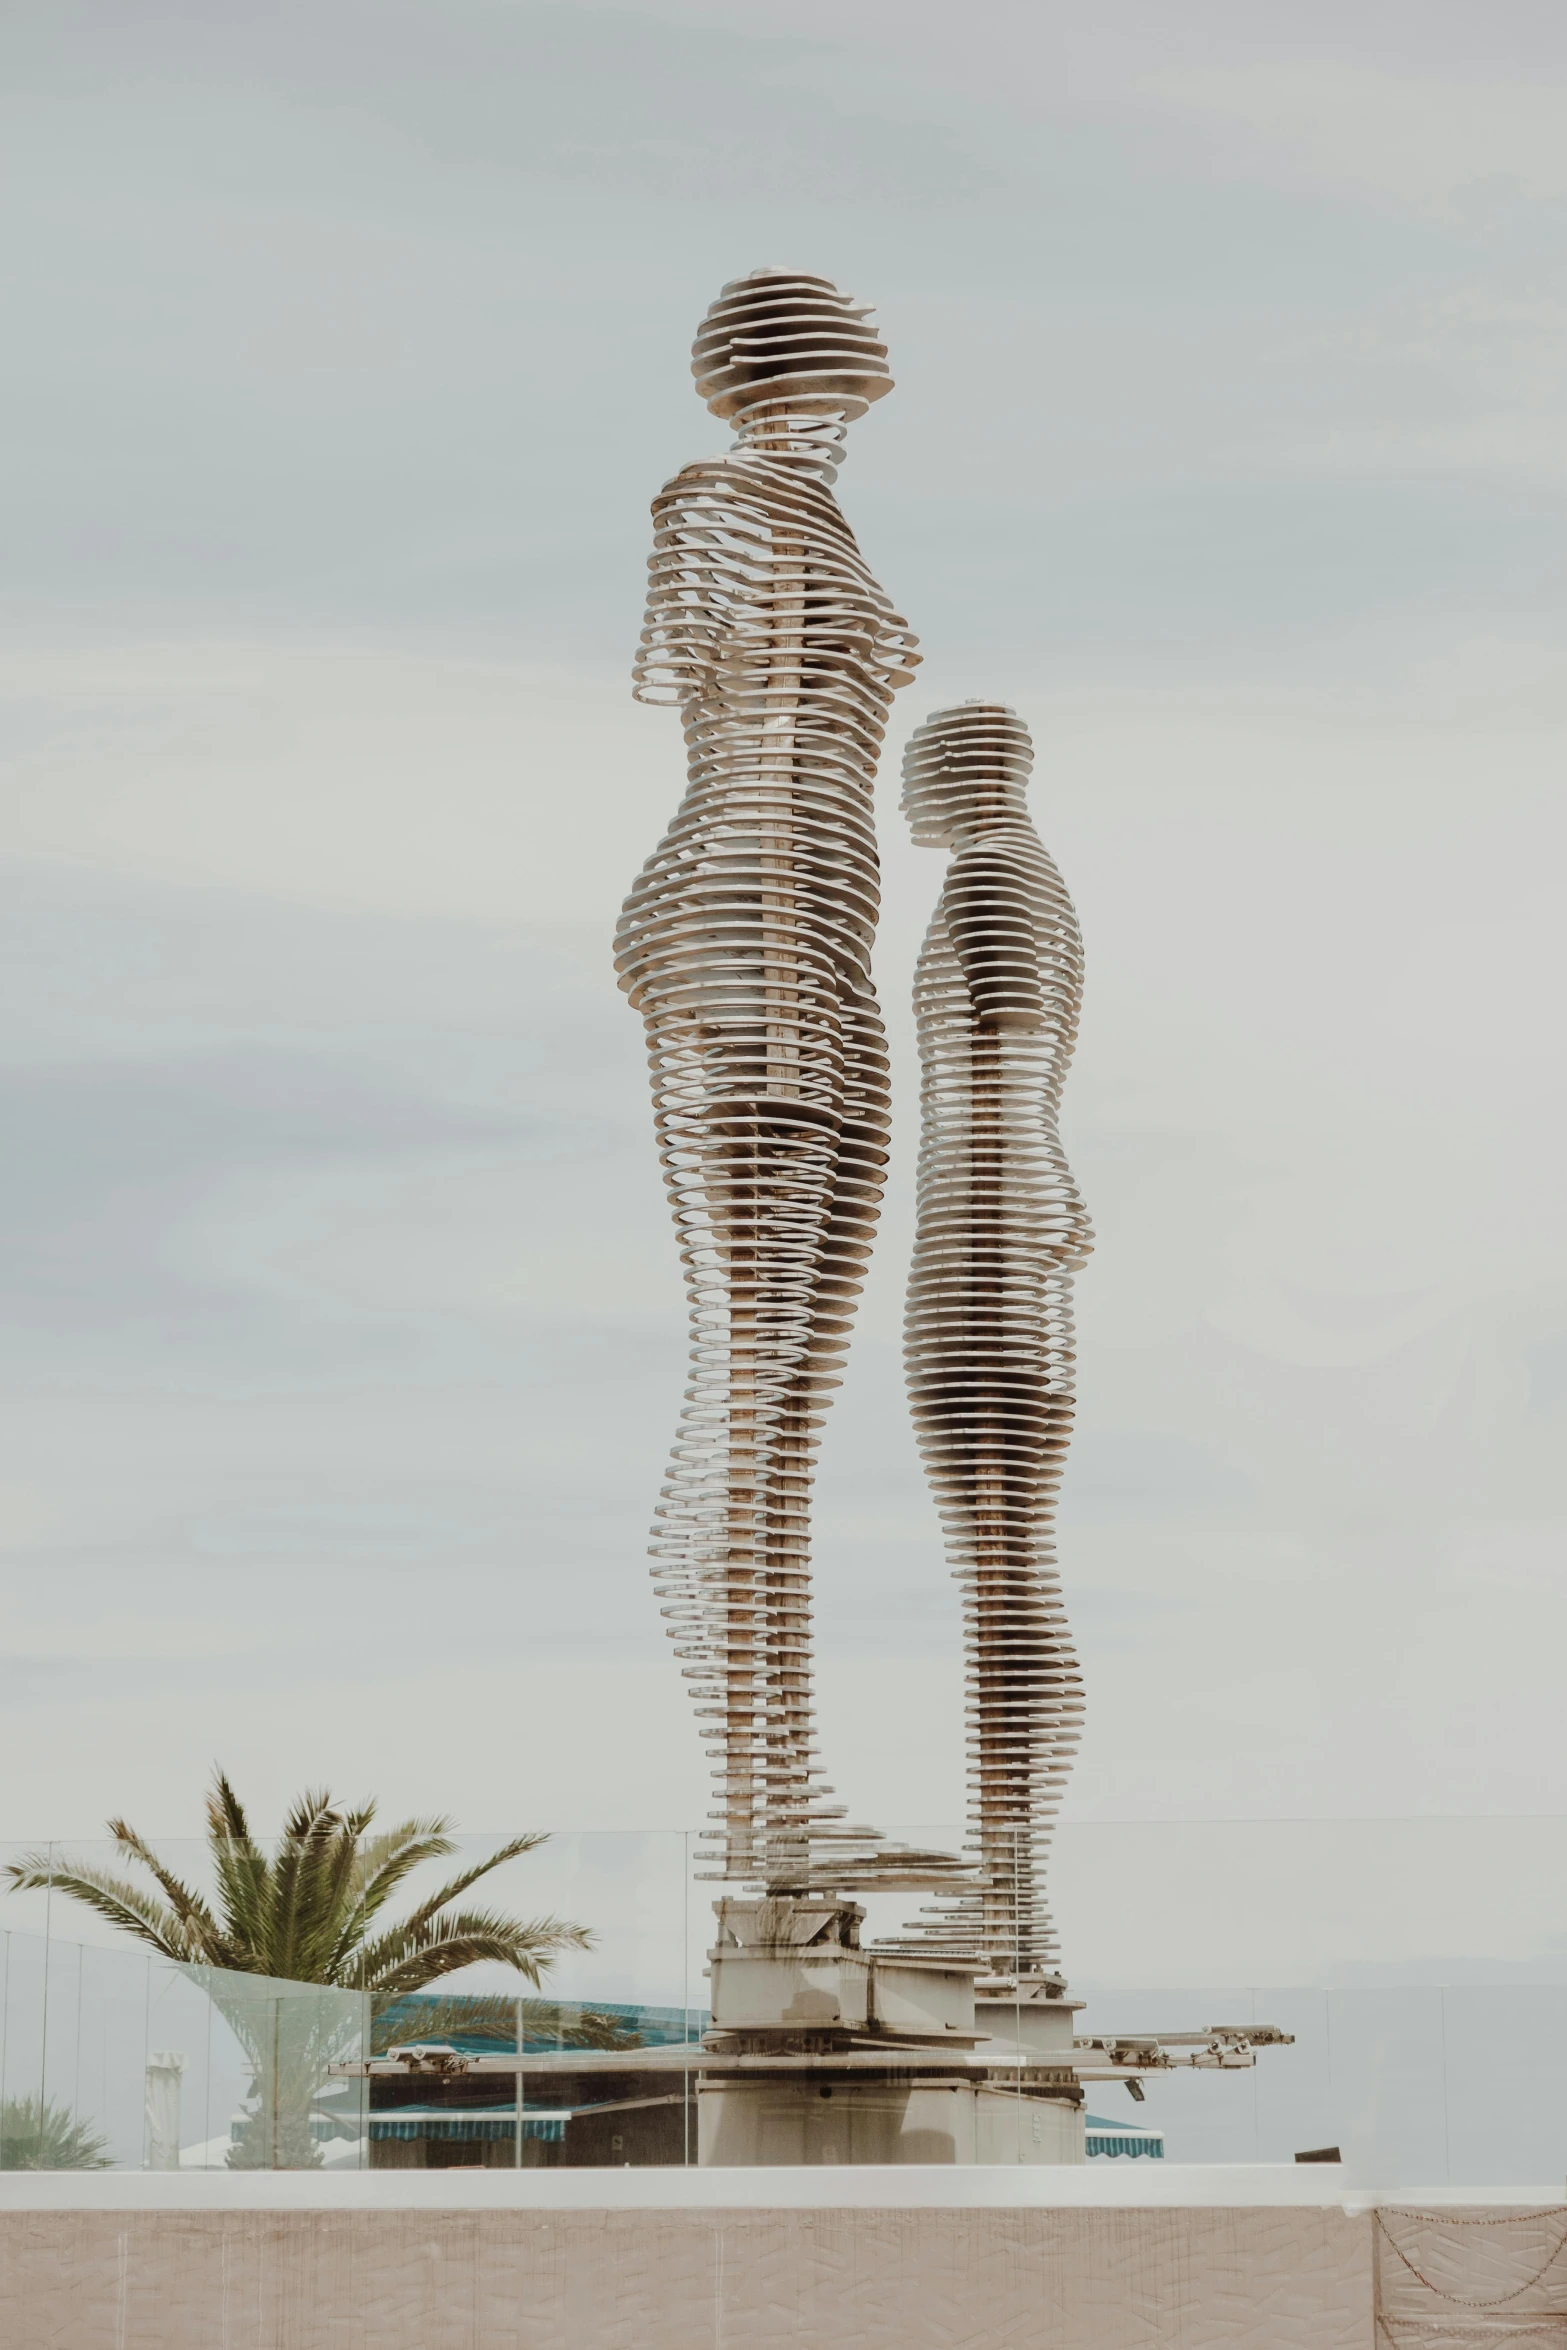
(683, 627)
(897, 647)
(990, 923)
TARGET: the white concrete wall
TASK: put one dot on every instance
(474, 2261)
(734, 2280)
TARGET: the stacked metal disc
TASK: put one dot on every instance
(781, 335)
(745, 943)
(1002, 1230)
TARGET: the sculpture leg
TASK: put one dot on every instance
(844, 1239)
(994, 1417)
(753, 1184)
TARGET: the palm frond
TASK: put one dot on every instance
(295, 1887)
(470, 2015)
(408, 2016)
(528, 1842)
(302, 1913)
(592, 2029)
(243, 1874)
(36, 2133)
(123, 1903)
(342, 1922)
(388, 1858)
(407, 1957)
(545, 1934)
(225, 1813)
(192, 1912)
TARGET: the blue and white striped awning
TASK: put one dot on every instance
(499, 2122)
(1122, 2138)
(457, 2127)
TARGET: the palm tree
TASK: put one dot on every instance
(305, 1914)
(38, 2134)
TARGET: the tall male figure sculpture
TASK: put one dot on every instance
(988, 1337)
(745, 944)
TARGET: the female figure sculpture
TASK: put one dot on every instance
(745, 944)
(1002, 1230)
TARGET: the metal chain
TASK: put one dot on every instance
(1460, 2300)
(1418, 2329)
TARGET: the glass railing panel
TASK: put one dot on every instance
(1505, 2052)
(1294, 2106)
(95, 2051)
(23, 1912)
(133, 2062)
(1428, 2048)
(50, 1908)
(1389, 2083)
(1204, 2115)
(109, 2042)
(1311, 1901)
(186, 2098)
(583, 2070)
(24, 1994)
(283, 2086)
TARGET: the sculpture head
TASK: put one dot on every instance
(964, 769)
(781, 343)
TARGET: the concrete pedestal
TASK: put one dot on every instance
(746, 2123)
(879, 2055)
(1028, 2011)
(793, 1964)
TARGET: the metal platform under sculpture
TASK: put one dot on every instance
(827, 2051)
(822, 2051)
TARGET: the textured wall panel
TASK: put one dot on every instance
(856, 2280)
(1456, 2280)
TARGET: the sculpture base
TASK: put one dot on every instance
(792, 1964)
(1029, 2011)
(824, 2053)
(784, 2123)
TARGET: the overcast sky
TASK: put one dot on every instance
(340, 1328)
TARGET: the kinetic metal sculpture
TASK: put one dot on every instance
(745, 944)
(988, 1336)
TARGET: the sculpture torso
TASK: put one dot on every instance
(997, 994)
(766, 628)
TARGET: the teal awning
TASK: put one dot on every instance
(1132, 2138)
